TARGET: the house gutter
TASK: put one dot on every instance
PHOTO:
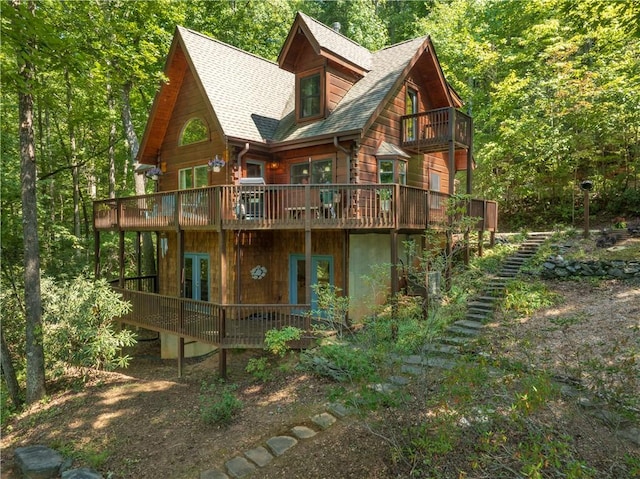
(347, 153)
(242, 153)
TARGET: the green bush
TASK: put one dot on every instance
(78, 325)
(340, 362)
(259, 368)
(218, 403)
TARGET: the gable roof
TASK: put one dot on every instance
(253, 99)
(328, 43)
(247, 93)
(356, 109)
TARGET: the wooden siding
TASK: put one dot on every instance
(162, 109)
(190, 103)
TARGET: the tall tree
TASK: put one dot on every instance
(33, 300)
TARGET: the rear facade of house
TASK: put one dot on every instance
(275, 177)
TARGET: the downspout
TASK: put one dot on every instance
(240, 155)
(347, 153)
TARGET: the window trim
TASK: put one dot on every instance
(322, 94)
(396, 162)
(184, 128)
(324, 177)
(192, 169)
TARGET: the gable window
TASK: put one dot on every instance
(411, 108)
(195, 177)
(194, 131)
(310, 104)
(392, 171)
(317, 172)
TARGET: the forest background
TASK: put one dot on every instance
(553, 87)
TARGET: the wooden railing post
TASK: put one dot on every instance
(222, 352)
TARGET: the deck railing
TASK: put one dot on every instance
(431, 130)
(230, 325)
(328, 206)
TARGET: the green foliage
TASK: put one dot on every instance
(78, 325)
(259, 368)
(332, 308)
(218, 403)
(526, 297)
(341, 362)
(276, 340)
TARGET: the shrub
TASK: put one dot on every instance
(218, 403)
(78, 325)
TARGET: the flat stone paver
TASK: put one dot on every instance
(303, 432)
(442, 363)
(281, 444)
(399, 380)
(465, 323)
(81, 473)
(259, 455)
(239, 467)
(324, 420)
(338, 409)
(410, 369)
(213, 474)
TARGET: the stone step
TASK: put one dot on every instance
(467, 323)
(479, 317)
(480, 305)
(444, 349)
(486, 299)
(455, 340)
(463, 331)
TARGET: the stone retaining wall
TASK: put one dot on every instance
(558, 267)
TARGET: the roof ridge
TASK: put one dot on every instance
(410, 40)
(207, 37)
(307, 17)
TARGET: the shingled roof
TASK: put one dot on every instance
(252, 97)
(325, 38)
(247, 93)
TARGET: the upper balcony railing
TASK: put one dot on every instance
(432, 130)
(329, 206)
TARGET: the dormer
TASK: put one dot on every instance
(326, 65)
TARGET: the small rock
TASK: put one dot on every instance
(281, 444)
(38, 462)
(324, 420)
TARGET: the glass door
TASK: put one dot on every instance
(321, 274)
(196, 276)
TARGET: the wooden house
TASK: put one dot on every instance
(279, 176)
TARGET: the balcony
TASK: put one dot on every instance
(433, 130)
(260, 207)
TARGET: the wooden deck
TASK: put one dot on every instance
(331, 206)
(226, 326)
(433, 130)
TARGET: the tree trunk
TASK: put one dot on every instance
(148, 251)
(112, 143)
(33, 301)
(9, 373)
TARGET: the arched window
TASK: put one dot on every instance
(194, 130)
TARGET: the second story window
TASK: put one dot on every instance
(194, 131)
(310, 96)
(392, 171)
(315, 172)
(195, 177)
(411, 108)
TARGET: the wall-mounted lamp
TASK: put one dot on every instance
(274, 164)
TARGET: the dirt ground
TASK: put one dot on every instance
(143, 422)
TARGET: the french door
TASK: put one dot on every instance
(321, 274)
(196, 276)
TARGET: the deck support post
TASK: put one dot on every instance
(307, 265)
(121, 259)
(480, 243)
(222, 352)
(180, 356)
(96, 254)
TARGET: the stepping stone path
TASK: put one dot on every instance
(442, 355)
